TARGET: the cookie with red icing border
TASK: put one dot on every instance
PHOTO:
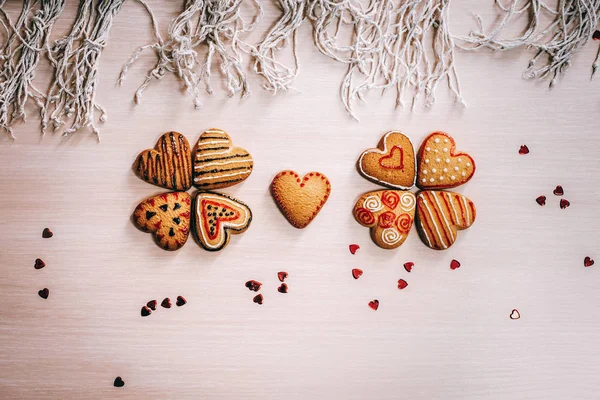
(389, 214)
(217, 217)
(441, 215)
(440, 165)
(167, 216)
(392, 163)
(300, 198)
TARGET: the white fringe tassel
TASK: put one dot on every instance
(26, 40)
(572, 24)
(214, 25)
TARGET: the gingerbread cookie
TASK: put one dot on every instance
(216, 217)
(300, 199)
(440, 167)
(440, 215)
(389, 214)
(392, 163)
(167, 216)
(217, 164)
(167, 165)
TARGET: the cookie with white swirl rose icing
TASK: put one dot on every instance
(440, 165)
(392, 163)
(388, 213)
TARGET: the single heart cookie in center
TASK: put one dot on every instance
(300, 198)
(392, 163)
(440, 167)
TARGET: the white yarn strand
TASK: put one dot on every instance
(75, 57)
(213, 26)
(26, 41)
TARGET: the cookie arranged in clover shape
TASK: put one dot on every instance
(392, 164)
(300, 199)
(389, 214)
(216, 217)
(439, 215)
(168, 165)
(217, 164)
(167, 216)
(440, 165)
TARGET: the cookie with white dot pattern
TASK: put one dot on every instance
(440, 165)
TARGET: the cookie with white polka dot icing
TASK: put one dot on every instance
(392, 163)
(440, 165)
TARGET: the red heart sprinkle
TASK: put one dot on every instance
(524, 149)
(408, 266)
(44, 293)
(39, 264)
(353, 248)
(402, 284)
(146, 311)
(282, 275)
(253, 285)
(374, 304)
(356, 273)
(181, 301)
(166, 303)
(258, 299)
(564, 203)
(541, 200)
(119, 382)
(588, 262)
(454, 264)
(283, 288)
(596, 35)
(151, 305)
(559, 191)
(515, 314)
(47, 233)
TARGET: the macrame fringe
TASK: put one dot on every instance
(75, 58)
(26, 40)
(213, 26)
(573, 23)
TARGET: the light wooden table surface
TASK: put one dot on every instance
(446, 336)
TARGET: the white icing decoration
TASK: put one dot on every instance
(445, 149)
(407, 200)
(464, 174)
(459, 159)
(427, 148)
(445, 170)
(437, 160)
(390, 236)
(431, 180)
(424, 172)
(441, 178)
(468, 164)
(453, 177)
(427, 161)
(456, 168)
(447, 160)
(445, 140)
(435, 150)
(437, 140)
(373, 203)
(424, 180)
(434, 170)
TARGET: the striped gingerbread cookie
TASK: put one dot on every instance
(440, 215)
(167, 165)
(217, 164)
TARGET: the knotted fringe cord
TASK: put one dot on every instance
(401, 44)
(26, 40)
(277, 74)
(75, 58)
(573, 23)
(215, 25)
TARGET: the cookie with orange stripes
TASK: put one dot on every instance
(440, 215)
(217, 164)
(167, 216)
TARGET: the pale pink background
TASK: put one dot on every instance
(446, 336)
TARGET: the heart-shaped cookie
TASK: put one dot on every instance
(300, 199)
(389, 214)
(440, 167)
(392, 164)
(167, 216)
(216, 217)
(168, 165)
(440, 215)
(217, 164)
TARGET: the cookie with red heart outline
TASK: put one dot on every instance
(392, 163)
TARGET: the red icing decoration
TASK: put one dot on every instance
(454, 264)
(374, 304)
(353, 248)
(564, 203)
(541, 200)
(365, 216)
(524, 149)
(403, 223)
(219, 220)
(408, 266)
(390, 199)
(357, 273)
(394, 160)
(402, 284)
(588, 262)
(386, 219)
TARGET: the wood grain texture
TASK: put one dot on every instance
(446, 336)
